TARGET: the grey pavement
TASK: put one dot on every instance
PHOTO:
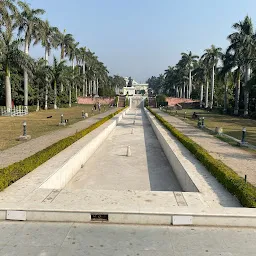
(241, 161)
(75, 239)
(24, 150)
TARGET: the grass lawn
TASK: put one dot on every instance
(231, 125)
(38, 124)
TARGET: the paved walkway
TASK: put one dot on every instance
(146, 169)
(24, 150)
(78, 239)
(241, 161)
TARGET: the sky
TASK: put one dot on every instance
(141, 38)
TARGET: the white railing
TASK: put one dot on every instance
(15, 111)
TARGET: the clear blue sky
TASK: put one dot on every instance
(140, 38)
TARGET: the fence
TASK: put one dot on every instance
(15, 111)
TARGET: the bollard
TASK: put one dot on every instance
(129, 153)
(199, 122)
(83, 114)
(132, 131)
(62, 123)
(24, 128)
(243, 135)
(202, 121)
(245, 178)
(185, 114)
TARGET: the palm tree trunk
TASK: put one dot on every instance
(46, 96)
(37, 105)
(86, 87)
(201, 95)
(55, 94)
(177, 92)
(73, 68)
(46, 80)
(76, 93)
(246, 93)
(184, 90)
(190, 84)
(237, 96)
(180, 92)
(62, 58)
(97, 87)
(26, 50)
(84, 79)
(225, 98)
(206, 94)
(212, 89)
(8, 90)
(70, 96)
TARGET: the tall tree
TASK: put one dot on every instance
(28, 21)
(57, 74)
(243, 44)
(212, 56)
(189, 61)
(66, 42)
(49, 38)
(11, 56)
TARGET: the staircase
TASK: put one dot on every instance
(121, 101)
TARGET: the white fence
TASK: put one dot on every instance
(15, 111)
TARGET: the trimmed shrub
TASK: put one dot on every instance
(14, 172)
(244, 191)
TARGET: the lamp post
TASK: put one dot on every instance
(61, 119)
(24, 128)
(243, 135)
(83, 114)
(203, 121)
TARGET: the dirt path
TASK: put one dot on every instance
(24, 150)
(241, 161)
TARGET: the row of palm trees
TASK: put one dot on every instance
(235, 65)
(85, 71)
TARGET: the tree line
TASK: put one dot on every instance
(224, 79)
(26, 81)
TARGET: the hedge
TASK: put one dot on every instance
(14, 172)
(244, 191)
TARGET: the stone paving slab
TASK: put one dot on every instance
(24, 150)
(241, 161)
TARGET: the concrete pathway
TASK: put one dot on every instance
(241, 161)
(110, 169)
(77, 239)
(24, 150)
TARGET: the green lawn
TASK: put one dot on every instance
(231, 125)
(38, 124)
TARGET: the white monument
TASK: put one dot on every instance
(135, 89)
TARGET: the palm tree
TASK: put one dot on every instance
(242, 44)
(212, 56)
(7, 7)
(65, 41)
(189, 61)
(200, 75)
(11, 56)
(28, 22)
(57, 71)
(41, 75)
(83, 57)
(49, 38)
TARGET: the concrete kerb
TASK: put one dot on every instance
(177, 162)
(64, 173)
(179, 216)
